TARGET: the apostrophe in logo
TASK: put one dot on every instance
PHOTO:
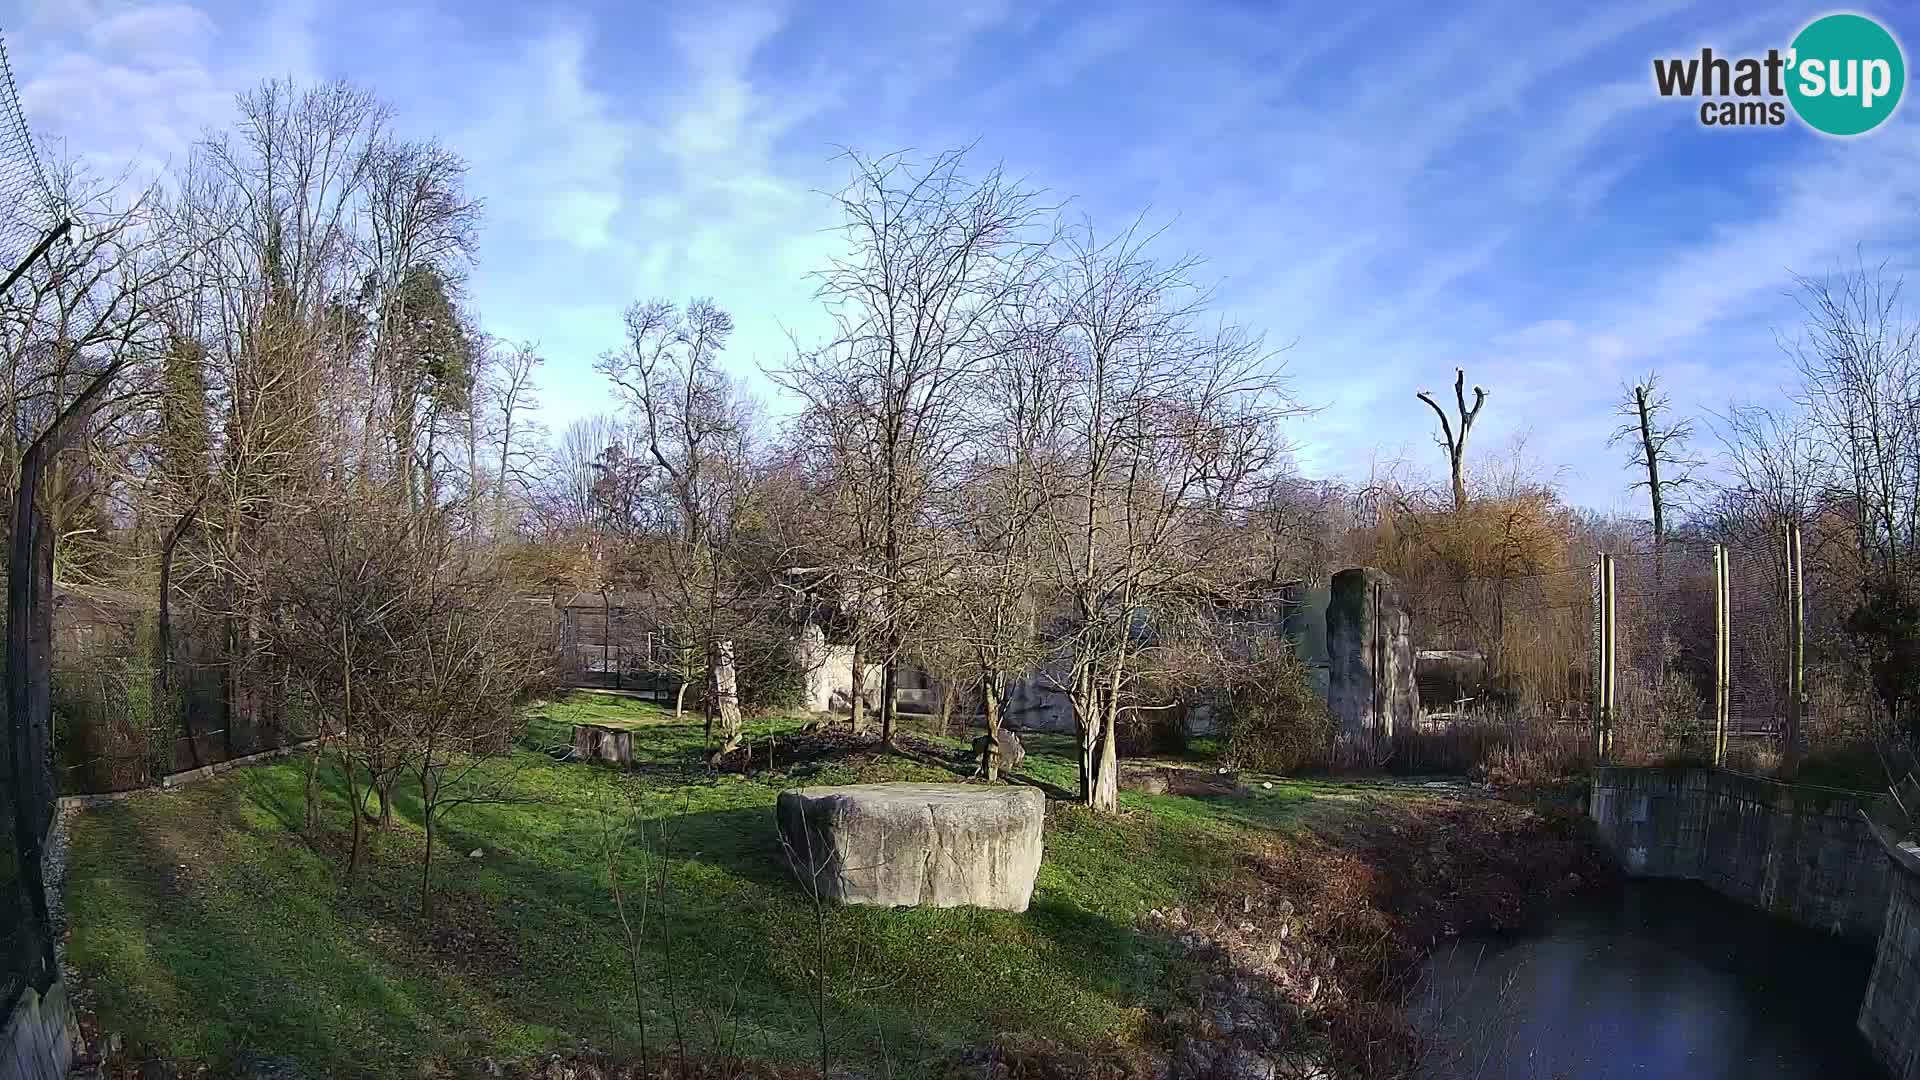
(1843, 75)
(1848, 74)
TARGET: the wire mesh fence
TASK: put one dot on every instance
(1738, 654)
(1757, 630)
(27, 212)
(614, 641)
(27, 207)
(1664, 648)
(116, 729)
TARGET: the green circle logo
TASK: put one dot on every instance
(1847, 74)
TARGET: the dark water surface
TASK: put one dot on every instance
(1652, 979)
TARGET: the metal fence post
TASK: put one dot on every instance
(1603, 681)
(1722, 652)
(1796, 647)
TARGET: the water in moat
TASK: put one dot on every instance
(1651, 979)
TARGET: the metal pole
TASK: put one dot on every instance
(1796, 647)
(1722, 653)
(1605, 688)
(39, 249)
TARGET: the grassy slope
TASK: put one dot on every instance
(206, 924)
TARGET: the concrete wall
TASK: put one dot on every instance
(1370, 686)
(829, 671)
(1812, 855)
(1802, 853)
(1035, 704)
(1890, 1013)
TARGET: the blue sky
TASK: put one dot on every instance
(1392, 190)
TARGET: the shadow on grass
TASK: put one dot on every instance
(255, 974)
(525, 953)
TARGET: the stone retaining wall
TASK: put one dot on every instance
(1812, 855)
(1805, 854)
(1890, 1013)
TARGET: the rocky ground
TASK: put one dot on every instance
(1302, 966)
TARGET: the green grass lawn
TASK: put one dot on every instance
(207, 923)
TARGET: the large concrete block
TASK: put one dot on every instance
(1370, 684)
(915, 845)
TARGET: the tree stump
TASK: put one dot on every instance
(592, 742)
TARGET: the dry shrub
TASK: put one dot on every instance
(108, 734)
(1151, 732)
(1274, 717)
(1023, 1057)
(1500, 746)
(1351, 921)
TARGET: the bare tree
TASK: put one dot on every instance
(505, 404)
(697, 431)
(1858, 358)
(936, 260)
(1165, 427)
(1659, 449)
(987, 612)
(1456, 445)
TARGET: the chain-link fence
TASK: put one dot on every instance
(1503, 672)
(116, 729)
(1737, 654)
(27, 207)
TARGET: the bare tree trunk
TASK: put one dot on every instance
(163, 635)
(1087, 722)
(1106, 785)
(680, 699)
(889, 675)
(429, 805)
(1106, 792)
(426, 863)
(726, 697)
(382, 784)
(353, 800)
(313, 777)
(859, 718)
(991, 692)
(1456, 446)
(1652, 453)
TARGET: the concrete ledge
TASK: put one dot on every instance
(190, 776)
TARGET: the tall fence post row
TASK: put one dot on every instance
(1606, 673)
